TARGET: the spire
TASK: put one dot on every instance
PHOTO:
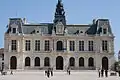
(60, 13)
(59, 8)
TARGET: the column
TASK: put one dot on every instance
(32, 62)
(86, 62)
(18, 45)
(76, 62)
(86, 45)
(68, 45)
(42, 44)
(55, 45)
(42, 61)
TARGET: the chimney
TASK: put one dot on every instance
(94, 21)
(24, 20)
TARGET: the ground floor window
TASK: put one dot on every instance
(81, 62)
(27, 61)
(37, 61)
(13, 62)
(90, 62)
(71, 61)
(105, 63)
(47, 61)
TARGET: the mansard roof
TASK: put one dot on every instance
(46, 28)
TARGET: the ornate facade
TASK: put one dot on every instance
(58, 45)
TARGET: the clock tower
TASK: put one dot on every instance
(59, 18)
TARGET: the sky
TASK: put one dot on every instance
(76, 11)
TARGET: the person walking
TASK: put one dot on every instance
(102, 72)
(106, 73)
(51, 72)
(11, 72)
(45, 72)
(48, 73)
(69, 71)
(119, 73)
(99, 72)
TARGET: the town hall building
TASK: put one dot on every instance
(58, 45)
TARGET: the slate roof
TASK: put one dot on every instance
(46, 28)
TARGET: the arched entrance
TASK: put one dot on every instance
(59, 63)
(105, 63)
(13, 62)
(27, 61)
(59, 46)
(91, 62)
(72, 62)
(46, 62)
(37, 61)
(81, 62)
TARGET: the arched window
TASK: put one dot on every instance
(37, 61)
(81, 61)
(27, 61)
(59, 46)
(13, 62)
(46, 61)
(71, 61)
(90, 62)
(105, 63)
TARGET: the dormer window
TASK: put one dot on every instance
(81, 31)
(37, 31)
(104, 31)
(14, 30)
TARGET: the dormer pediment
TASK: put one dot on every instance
(59, 28)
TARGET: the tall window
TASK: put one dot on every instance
(47, 61)
(27, 45)
(104, 45)
(27, 61)
(90, 62)
(72, 61)
(14, 45)
(47, 45)
(81, 45)
(90, 46)
(37, 61)
(72, 45)
(14, 30)
(104, 31)
(37, 45)
(81, 61)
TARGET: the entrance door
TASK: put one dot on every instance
(105, 63)
(59, 63)
(13, 62)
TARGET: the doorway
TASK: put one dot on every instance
(59, 63)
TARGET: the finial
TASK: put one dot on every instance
(59, 0)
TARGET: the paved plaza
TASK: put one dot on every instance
(58, 75)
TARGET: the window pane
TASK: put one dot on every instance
(27, 45)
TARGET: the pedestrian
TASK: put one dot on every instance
(11, 72)
(48, 73)
(45, 72)
(102, 72)
(106, 73)
(51, 72)
(69, 71)
(119, 73)
(99, 72)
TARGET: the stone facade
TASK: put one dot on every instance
(1, 57)
(88, 46)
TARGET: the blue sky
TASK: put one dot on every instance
(77, 12)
